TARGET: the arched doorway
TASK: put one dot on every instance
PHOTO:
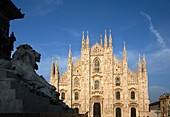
(133, 112)
(76, 110)
(96, 110)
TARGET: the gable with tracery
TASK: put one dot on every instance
(97, 50)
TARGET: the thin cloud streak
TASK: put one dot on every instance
(159, 38)
(73, 32)
(46, 6)
(56, 2)
(157, 60)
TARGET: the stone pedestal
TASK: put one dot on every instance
(17, 97)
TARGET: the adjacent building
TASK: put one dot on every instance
(154, 109)
(165, 105)
(160, 108)
(100, 85)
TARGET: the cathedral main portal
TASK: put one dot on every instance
(96, 110)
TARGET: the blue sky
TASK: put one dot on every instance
(49, 26)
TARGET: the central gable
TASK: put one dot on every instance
(97, 49)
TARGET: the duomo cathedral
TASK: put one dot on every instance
(100, 85)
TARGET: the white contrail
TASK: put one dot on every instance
(160, 39)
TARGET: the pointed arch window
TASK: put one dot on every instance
(118, 81)
(96, 85)
(132, 95)
(76, 82)
(62, 96)
(118, 95)
(96, 65)
(76, 96)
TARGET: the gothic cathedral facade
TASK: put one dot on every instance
(100, 85)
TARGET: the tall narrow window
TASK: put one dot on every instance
(133, 112)
(76, 82)
(62, 95)
(76, 96)
(118, 112)
(132, 95)
(96, 85)
(117, 81)
(118, 95)
(97, 65)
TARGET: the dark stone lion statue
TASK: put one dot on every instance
(26, 55)
(24, 63)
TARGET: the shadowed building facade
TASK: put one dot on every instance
(8, 12)
(100, 85)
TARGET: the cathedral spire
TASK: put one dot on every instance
(144, 64)
(105, 34)
(52, 67)
(139, 64)
(83, 41)
(87, 40)
(144, 59)
(52, 60)
(124, 49)
(70, 48)
(101, 40)
(105, 39)
(110, 36)
(110, 39)
(56, 68)
(70, 54)
(87, 35)
(124, 52)
(83, 35)
(52, 71)
(57, 75)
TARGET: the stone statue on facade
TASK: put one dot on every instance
(6, 46)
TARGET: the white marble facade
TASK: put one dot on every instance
(98, 84)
